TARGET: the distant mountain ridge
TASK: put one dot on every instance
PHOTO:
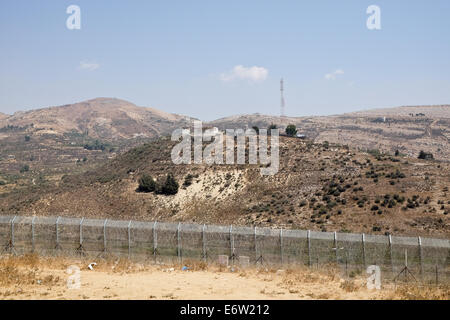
(407, 129)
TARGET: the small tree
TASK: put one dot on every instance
(291, 130)
(425, 155)
(170, 187)
(188, 180)
(146, 184)
(256, 129)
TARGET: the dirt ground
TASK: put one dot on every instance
(31, 277)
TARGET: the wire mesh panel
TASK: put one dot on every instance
(243, 242)
(268, 245)
(322, 247)
(350, 253)
(377, 252)
(142, 240)
(191, 241)
(117, 237)
(92, 236)
(69, 235)
(5, 231)
(22, 235)
(435, 259)
(295, 247)
(167, 240)
(217, 240)
(406, 250)
(45, 235)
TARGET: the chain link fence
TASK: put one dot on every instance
(426, 259)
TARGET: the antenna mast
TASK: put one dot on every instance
(282, 98)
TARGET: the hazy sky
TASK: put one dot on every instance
(210, 59)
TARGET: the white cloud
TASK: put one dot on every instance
(333, 75)
(240, 72)
(91, 66)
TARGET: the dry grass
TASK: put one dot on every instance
(23, 270)
(350, 286)
(30, 276)
(427, 292)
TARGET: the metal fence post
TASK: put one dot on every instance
(231, 243)
(281, 246)
(308, 239)
(12, 234)
(436, 275)
(204, 242)
(104, 234)
(155, 239)
(420, 255)
(180, 259)
(390, 253)
(33, 245)
(81, 232)
(129, 239)
(57, 233)
(364, 249)
(255, 244)
(336, 247)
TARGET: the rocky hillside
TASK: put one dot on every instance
(407, 129)
(101, 118)
(318, 187)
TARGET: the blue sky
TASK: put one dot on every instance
(179, 56)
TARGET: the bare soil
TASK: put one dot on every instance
(31, 277)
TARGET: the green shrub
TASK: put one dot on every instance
(146, 184)
(170, 186)
(188, 180)
(291, 130)
(425, 155)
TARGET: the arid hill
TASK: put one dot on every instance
(406, 129)
(101, 118)
(318, 187)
